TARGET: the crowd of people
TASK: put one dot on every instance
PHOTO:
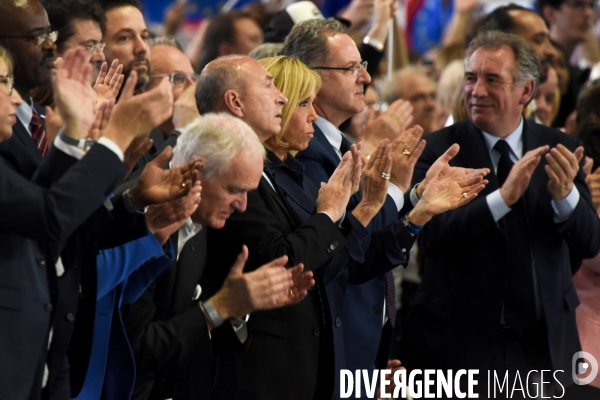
(281, 199)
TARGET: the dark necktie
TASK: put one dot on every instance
(519, 297)
(345, 145)
(38, 133)
(390, 297)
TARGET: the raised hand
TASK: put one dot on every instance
(375, 178)
(302, 282)
(136, 150)
(389, 124)
(593, 182)
(134, 116)
(109, 83)
(519, 176)
(73, 94)
(184, 109)
(334, 195)
(405, 152)
(562, 168)
(166, 218)
(455, 173)
(103, 112)
(157, 185)
(262, 289)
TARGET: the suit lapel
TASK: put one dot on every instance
(332, 159)
(294, 192)
(190, 267)
(27, 141)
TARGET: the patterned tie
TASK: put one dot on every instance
(519, 297)
(390, 297)
(38, 133)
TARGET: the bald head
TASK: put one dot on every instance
(241, 86)
(32, 63)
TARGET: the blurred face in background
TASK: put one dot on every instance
(9, 101)
(545, 99)
(168, 60)
(87, 34)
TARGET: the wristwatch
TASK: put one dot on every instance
(84, 144)
(410, 227)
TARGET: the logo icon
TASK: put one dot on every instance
(583, 362)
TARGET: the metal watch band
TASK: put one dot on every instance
(211, 314)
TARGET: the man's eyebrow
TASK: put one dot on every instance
(41, 29)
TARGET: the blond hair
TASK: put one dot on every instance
(5, 56)
(297, 82)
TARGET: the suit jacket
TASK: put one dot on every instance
(168, 333)
(34, 226)
(365, 256)
(363, 305)
(20, 150)
(291, 351)
(455, 317)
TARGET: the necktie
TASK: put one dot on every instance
(345, 145)
(38, 133)
(519, 296)
(390, 297)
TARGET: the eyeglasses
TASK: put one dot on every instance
(7, 81)
(45, 38)
(178, 78)
(581, 5)
(354, 69)
(96, 47)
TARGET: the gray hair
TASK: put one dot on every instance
(214, 81)
(217, 139)
(308, 40)
(166, 41)
(266, 50)
(527, 61)
(391, 90)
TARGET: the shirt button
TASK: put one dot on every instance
(48, 307)
(338, 322)
(41, 260)
(378, 309)
(70, 317)
(317, 332)
(404, 250)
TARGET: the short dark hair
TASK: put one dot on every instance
(552, 3)
(62, 13)
(221, 29)
(500, 19)
(108, 5)
(308, 40)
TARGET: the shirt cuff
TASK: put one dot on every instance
(241, 332)
(497, 205)
(413, 195)
(73, 151)
(564, 208)
(339, 223)
(112, 146)
(396, 194)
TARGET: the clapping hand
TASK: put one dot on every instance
(108, 84)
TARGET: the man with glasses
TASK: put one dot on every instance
(26, 33)
(368, 309)
(78, 23)
(167, 59)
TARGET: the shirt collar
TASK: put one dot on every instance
(24, 114)
(514, 140)
(333, 135)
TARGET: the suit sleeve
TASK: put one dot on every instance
(51, 215)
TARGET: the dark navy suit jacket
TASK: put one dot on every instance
(455, 316)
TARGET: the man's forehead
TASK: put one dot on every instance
(527, 21)
(23, 17)
(125, 17)
(343, 49)
(167, 59)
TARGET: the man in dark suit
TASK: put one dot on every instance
(173, 335)
(26, 33)
(497, 292)
(324, 46)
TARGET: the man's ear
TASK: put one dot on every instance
(233, 103)
(527, 92)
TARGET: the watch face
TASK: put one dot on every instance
(405, 221)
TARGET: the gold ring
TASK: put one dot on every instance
(291, 293)
(464, 195)
(182, 184)
(407, 152)
(385, 176)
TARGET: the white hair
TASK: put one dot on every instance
(216, 138)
